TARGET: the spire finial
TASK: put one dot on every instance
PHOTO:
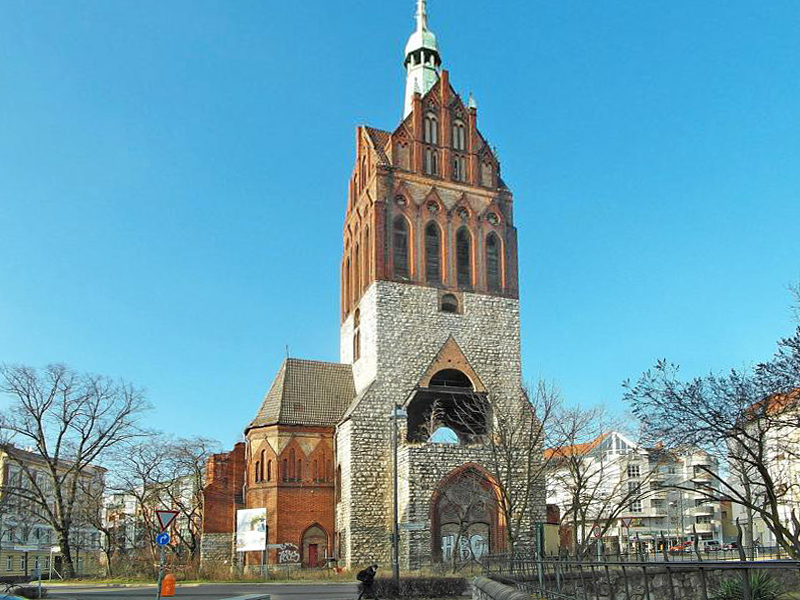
(422, 15)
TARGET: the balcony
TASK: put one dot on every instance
(703, 509)
(705, 527)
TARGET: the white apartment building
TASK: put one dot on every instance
(644, 493)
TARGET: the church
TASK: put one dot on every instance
(430, 332)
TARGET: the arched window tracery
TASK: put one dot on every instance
(464, 258)
(433, 251)
(400, 247)
(493, 279)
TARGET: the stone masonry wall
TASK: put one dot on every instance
(403, 339)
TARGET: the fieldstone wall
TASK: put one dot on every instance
(216, 549)
(402, 330)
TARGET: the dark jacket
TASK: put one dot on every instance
(366, 576)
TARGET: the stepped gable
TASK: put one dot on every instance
(380, 140)
(307, 392)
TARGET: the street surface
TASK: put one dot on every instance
(213, 591)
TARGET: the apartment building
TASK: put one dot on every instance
(631, 496)
(28, 544)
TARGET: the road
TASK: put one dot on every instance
(276, 591)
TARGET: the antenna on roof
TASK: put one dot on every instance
(287, 350)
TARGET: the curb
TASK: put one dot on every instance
(250, 597)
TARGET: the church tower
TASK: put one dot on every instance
(430, 332)
(429, 303)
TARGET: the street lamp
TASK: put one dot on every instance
(397, 413)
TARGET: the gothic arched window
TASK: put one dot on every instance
(257, 472)
(356, 335)
(431, 162)
(430, 130)
(432, 254)
(493, 263)
(400, 248)
(269, 470)
(464, 258)
(459, 137)
(357, 272)
(367, 257)
(261, 466)
(459, 168)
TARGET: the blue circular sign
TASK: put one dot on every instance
(162, 539)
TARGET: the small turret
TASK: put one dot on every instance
(422, 62)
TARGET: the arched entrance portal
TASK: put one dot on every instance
(314, 546)
(465, 517)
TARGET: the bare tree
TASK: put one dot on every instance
(746, 419)
(590, 479)
(71, 421)
(513, 433)
(159, 472)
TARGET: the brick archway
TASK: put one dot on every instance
(313, 545)
(465, 511)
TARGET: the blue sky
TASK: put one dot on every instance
(173, 182)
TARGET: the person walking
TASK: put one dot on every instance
(367, 578)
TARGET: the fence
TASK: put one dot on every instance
(629, 577)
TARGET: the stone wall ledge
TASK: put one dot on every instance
(484, 588)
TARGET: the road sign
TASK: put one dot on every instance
(162, 539)
(166, 517)
(626, 522)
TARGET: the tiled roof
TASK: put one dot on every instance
(307, 392)
(380, 140)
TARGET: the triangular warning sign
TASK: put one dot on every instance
(165, 518)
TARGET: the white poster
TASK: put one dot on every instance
(251, 529)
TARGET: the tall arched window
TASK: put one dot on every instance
(432, 254)
(299, 476)
(357, 272)
(261, 466)
(291, 465)
(257, 472)
(356, 335)
(400, 248)
(464, 258)
(459, 137)
(431, 162)
(347, 284)
(431, 127)
(285, 470)
(493, 263)
(269, 470)
(459, 168)
(367, 257)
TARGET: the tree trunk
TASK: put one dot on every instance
(67, 568)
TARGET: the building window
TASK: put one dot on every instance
(261, 466)
(269, 470)
(431, 127)
(299, 470)
(257, 472)
(356, 335)
(459, 137)
(463, 258)
(400, 247)
(633, 471)
(339, 483)
(459, 168)
(23, 563)
(493, 263)
(431, 162)
(9, 563)
(703, 519)
(449, 303)
(636, 506)
(46, 563)
(285, 470)
(432, 254)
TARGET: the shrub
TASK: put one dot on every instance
(421, 587)
(28, 591)
(762, 587)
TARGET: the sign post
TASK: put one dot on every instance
(165, 519)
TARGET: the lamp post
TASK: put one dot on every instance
(397, 413)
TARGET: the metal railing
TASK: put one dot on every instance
(638, 576)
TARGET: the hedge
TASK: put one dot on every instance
(421, 587)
